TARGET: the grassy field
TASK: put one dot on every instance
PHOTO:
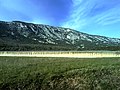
(32, 73)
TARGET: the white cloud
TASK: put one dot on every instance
(99, 12)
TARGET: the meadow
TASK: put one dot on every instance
(55, 73)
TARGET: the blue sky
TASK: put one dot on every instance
(101, 17)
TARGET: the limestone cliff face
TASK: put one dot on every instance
(22, 32)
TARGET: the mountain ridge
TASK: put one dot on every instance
(22, 33)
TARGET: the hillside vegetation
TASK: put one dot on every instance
(20, 73)
(51, 47)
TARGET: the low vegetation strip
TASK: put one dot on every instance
(75, 54)
(33, 73)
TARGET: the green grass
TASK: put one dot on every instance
(25, 73)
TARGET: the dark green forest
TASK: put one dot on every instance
(50, 47)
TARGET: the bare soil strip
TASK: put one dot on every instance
(68, 54)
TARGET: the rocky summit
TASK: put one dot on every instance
(17, 35)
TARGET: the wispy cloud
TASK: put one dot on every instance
(98, 12)
(109, 17)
